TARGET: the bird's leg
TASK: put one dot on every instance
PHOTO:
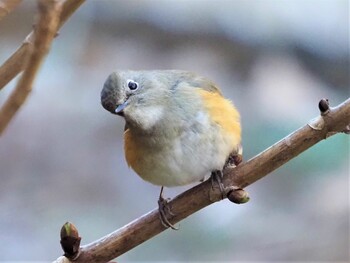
(164, 210)
(216, 177)
(233, 160)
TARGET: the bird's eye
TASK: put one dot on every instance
(132, 85)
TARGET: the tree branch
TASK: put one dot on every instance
(331, 121)
(15, 64)
(7, 6)
(29, 56)
(44, 33)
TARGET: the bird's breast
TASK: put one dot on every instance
(191, 149)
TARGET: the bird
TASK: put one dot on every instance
(179, 128)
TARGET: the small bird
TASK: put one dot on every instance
(179, 128)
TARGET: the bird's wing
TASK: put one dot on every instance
(195, 81)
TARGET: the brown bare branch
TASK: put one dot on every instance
(15, 64)
(7, 6)
(44, 33)
(335, 120)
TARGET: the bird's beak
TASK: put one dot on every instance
(120, 108)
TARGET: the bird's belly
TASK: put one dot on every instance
(179, 161)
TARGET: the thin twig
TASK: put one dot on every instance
(15, 64)
(202, 195)
(44, 33)
(7, 6)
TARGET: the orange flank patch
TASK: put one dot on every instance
(132, 151)
(223, 113)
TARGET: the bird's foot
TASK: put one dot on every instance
(164, 210)
(233, 193)
(235, 158)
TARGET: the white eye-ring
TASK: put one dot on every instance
(132, 85)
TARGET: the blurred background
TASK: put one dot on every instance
(61, 158)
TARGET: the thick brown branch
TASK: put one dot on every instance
(7, 6)
(202, 195)
(15, 64)
(44, 33)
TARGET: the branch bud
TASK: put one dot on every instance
(238, 196)
(70, 240)
(323, 105)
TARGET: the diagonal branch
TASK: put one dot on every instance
(15, 64)
(331, 121)
(7, 6)
(43, 35)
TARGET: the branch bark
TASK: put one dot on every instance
(331, 121)
(15, 64)
(7, 6)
